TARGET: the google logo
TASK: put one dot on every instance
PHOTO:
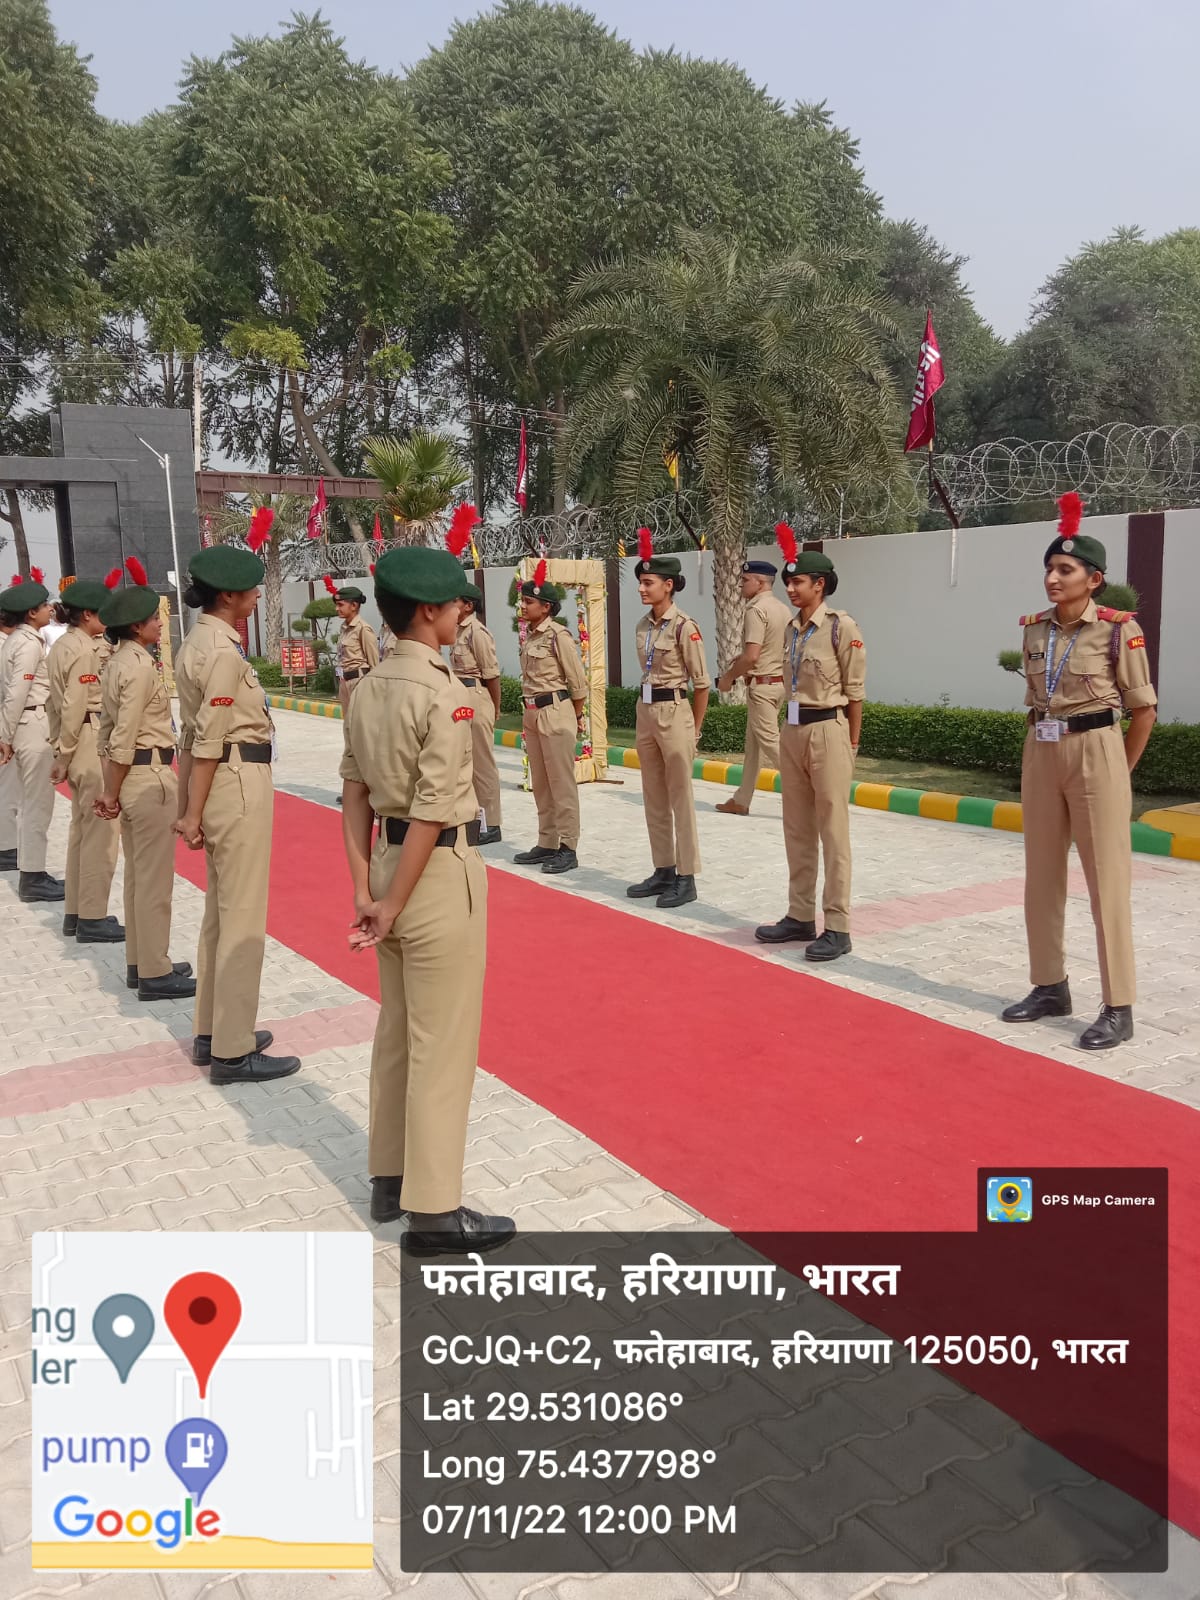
(169, 1526)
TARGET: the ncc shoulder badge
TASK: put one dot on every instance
(222, 700)
(1138, 644)
(857, 643)
(89, 677)
(463, 713)
(695, 638)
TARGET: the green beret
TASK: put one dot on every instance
(24, 597)
(1083, 547)
(808, 563)
(125, 606)
(83, 596)
(351, 594)
(225, 567)
(659, 567)
(430, 577)
(472, 591)
(549, 593)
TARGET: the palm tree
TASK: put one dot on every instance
(420, 477)
(748, 369)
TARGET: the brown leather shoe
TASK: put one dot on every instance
(731, 808)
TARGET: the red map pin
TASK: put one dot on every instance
(202, 1312)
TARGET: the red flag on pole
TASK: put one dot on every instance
(377, 531)
(316, 515)
(931, 375)
(522, 468)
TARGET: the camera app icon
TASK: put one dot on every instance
(1009, 1200)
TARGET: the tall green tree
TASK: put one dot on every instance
(745, 368)
(420, 477)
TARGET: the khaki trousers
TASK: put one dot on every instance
(483, 757)
(10, 805)
(817, 767)
(345, 690)
(762, 737)
(1079, 788)
(549, 736)
(237, 845)
(427, 1037)
(33, 760)
(92, 842)
(149, 805)
(666, 747)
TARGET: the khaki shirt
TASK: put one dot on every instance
(550, 660)
(73, 668)
(357, 650)
(473, 653)
(136, 712)
(220, 698)
(26, 682)
(678, 650)
(386, 640)
(1091, 680)
(815, 673)
(408, 738)
(765, 624)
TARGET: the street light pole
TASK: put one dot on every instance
(164, 462)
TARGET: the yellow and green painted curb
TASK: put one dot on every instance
(973, 810)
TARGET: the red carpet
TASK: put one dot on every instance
(767, 1099)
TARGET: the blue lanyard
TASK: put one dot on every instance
(798, 645)
(1052, 681)
(652, 643)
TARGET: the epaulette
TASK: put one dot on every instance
(1036, 616)
(1107, 614)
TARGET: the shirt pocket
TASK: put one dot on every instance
(1092, 666)
(668, 655)
(819, 670)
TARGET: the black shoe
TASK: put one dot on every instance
(98, 930)
(457, 1232)
(202, 1046)
(1112, 1027)
(69, 926)
(179, 969)
(171, 986)
(829, 947)
(1043, 1000)
(486, 836)
(657, 883)
(40, 886)
(534, 857)
(385, 1200)
(783, 930)
(8, 860)
(337, 799)
(679, 893)
(563, 860)
(253, 1067)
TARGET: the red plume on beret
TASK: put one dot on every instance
(17, 578)
(1071, 507)
(37, 574)
(539, 575)
(260, 528)
(645, 544)
(459, 535)
(785, 538)
(113, 578)
(329, 584)
(372, 569)
(136, 571)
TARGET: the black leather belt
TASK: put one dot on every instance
(541, 701)
(87, 716)
(471, 683)
(808, 714)
(1085, 723)
(355, 672)
(260, 753)
(396, 827)
(658, 695)
(144, 758)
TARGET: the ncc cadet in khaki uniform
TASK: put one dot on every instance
(226, 802)
(671, 651)
(10, 778)
(473, 657)
(1083, 664)
(138, 742)
(826, 666)
(357, 649)
(73, 722)
(24, 734)
(554, 689)
(420, 899)
(761, 664)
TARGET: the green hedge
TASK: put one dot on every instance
(270, 675)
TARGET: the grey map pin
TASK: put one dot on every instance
(124, 1347)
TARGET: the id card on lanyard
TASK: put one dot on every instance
(651, 650)
(1048, 729)
(793, 710)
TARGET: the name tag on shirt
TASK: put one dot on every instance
(794, 713)
(647, 693)
(1048, 732)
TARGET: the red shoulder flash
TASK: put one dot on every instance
(695, 638)
(463, 713)
(222, 700)
(1137, 644)
(29, 676)
(90, 677)
(857, 643)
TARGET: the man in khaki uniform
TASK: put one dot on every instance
(554, 689)
(226, 802)
(73, 722)
(10, 778)
(826, 664)
(420, 899)
(1084, 665)
(357, 648)
(761, 664)
(24, 736)
(138, 742)
(671, 651)
(473, 658)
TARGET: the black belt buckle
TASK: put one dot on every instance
(470, 682)
(1090, 720)
(355, 672)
